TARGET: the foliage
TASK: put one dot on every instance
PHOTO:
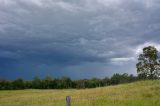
(65, 82)
(148, 65)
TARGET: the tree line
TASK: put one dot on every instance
(65, 82)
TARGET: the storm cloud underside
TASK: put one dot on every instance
(79, 39)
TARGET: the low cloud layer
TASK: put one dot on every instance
(79, 39)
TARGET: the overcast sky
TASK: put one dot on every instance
(75, 38)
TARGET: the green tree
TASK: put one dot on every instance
(47, 82)
(148, 65)
(36, 83)
(18, 84)
(66, 82)
(106, 81)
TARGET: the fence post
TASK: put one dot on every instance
(68, 101)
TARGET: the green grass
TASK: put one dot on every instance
(143, 93)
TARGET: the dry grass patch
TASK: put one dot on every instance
(143, 93)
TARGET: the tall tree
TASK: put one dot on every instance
(148, 65)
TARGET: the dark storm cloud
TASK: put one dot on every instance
(75, 37)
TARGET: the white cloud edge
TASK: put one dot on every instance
(139, 48)
(136, 51)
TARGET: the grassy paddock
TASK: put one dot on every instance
(143, 93)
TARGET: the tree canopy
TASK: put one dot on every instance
(148, 65)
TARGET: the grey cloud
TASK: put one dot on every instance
(76, 34)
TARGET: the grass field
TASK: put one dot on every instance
(143, 93)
